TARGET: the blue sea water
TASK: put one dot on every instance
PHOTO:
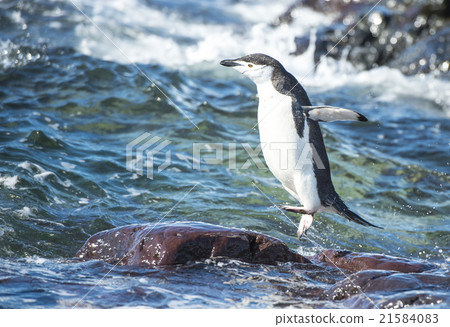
(79, 80)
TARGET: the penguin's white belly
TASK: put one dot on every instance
(288, 156)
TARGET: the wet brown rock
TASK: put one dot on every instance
(355, 284)
(183, 242)
(414, 299)
(353, 261)
(389, 289)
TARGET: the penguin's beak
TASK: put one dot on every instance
(229, 63)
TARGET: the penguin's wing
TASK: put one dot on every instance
(328, 113)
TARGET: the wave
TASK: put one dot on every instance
(144, 33)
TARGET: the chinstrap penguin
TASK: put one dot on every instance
(291, 138)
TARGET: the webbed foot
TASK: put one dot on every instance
(305, 224)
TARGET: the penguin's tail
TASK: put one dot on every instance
(341, 208)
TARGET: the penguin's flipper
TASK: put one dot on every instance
(328, 113)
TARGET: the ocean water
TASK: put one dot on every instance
(79, 80)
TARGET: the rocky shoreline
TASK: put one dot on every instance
(357, 276)
(412, 36)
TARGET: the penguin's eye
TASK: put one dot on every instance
(250, 65)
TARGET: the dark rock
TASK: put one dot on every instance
(325, 6)
(388, 289)
(302, 44)
(183, 242)
(430, 55)
(375, 40)
(406, 299)
(413, 299)
(355, 284)
(403, 34)
(379, 281)
(352, 261)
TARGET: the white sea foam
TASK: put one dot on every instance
(55, 126)
(141, 33)
(25, 212)
(68, 165)
(36, 260)
(40, 174)
(134, 192)
(83, 201)
(29, 166)
(58, 200)
(9, 181)
(133, 23)
(115, 176)
(6, 229)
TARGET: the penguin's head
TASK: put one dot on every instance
(258, 67)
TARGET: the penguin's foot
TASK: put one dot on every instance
(305, 224)
(301, 210)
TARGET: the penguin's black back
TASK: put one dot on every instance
(285, 83)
